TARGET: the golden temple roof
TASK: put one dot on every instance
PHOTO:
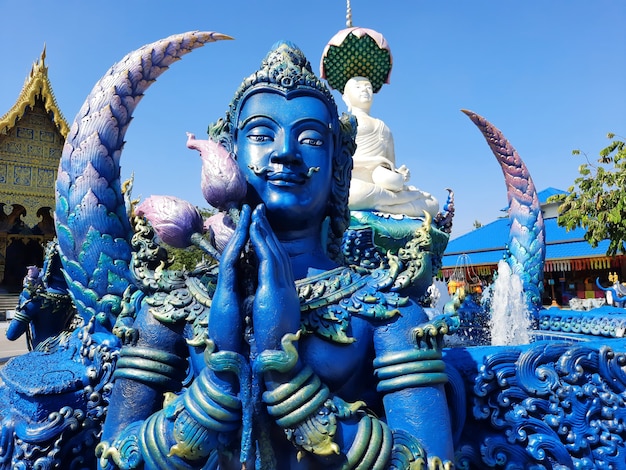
(35, 86)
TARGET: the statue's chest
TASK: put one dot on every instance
(338, 308)
(340, 364)
(367, 126)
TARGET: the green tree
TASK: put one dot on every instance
(597, 201)
(187, 258)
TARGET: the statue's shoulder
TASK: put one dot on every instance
(330, 300)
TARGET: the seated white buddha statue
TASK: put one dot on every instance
(376, 183)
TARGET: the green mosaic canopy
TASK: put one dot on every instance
(356, 57)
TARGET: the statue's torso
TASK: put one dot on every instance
(374, 147)
(345, 368)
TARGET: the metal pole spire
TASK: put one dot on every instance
(348, 15)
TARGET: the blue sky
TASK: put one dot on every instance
(550, 74)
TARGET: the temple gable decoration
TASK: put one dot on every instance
(36, 87)
(32, 135)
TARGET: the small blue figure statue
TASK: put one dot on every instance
(44, 307)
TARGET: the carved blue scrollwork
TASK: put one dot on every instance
(549, 405)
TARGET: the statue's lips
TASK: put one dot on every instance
(284, 178)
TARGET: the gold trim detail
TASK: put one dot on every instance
(36, 85)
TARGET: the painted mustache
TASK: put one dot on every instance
(271, 174)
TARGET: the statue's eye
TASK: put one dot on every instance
(257, 131)
(259, 134)
(259, 138)
(311, 137)
(312, 141)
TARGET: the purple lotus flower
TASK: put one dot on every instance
(223, 185)
(220, 228)
(174, 220)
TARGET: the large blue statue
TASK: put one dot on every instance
(295, 359)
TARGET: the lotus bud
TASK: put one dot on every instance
(174, 220)
(222, 182)
(220, 228)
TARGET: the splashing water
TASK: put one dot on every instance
(510, 319)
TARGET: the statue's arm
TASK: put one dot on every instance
(18, 326)
(155, 364)
(411, 376)
(390, 152)
(27, 308)
(149, 427)
(145, 371)
(143, 429)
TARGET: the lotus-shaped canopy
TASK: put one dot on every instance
(356, 52)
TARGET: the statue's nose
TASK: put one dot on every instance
(287, 152)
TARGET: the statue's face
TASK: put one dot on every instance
(284, 146)
(358, 91)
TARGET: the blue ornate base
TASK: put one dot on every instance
(549, 405)
(54, 401)
(62, 385)
(606, 321)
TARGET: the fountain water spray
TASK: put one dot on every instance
(510, 320)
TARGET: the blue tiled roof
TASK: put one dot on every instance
(576, 250)
(487, 244)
